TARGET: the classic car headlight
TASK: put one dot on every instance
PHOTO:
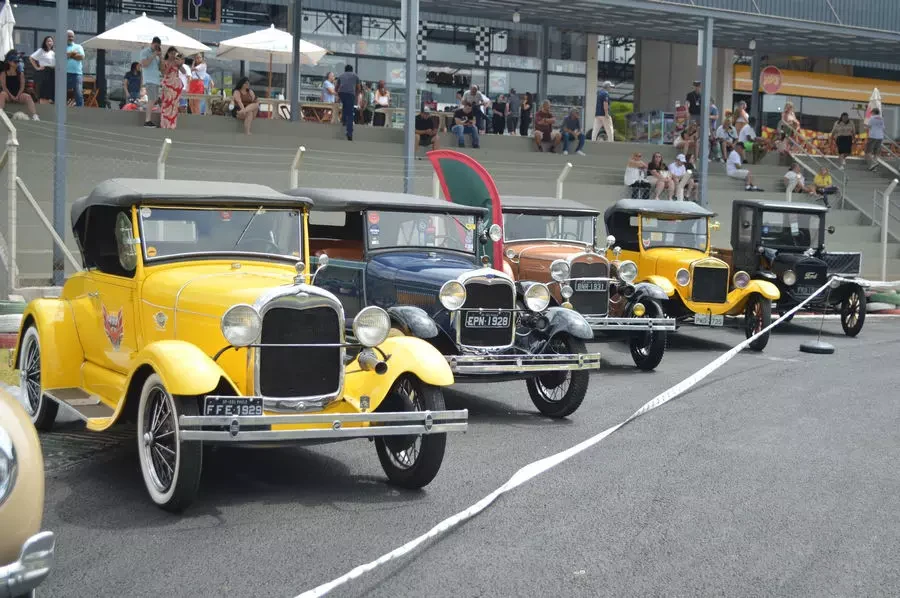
(371, 326)
(559, 270)
(8, 465)
(566, 291)
(627, 271)
(537, 297)
(241, 325)
(452, 295)
(683, 277)
(495, 233)
(789, 277)
(741, 279)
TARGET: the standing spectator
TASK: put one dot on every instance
(789, 122)
(527, 108)
(44, 62)
(12, 88)
(681, 176)
(369, 111)
(382, 100)
(512, 118)
(636, 177)
(197, 83)
(479, 103)
(843, 133)
(328, 91)
(733, 168)
(132, 83)
(464, 122)
(245, 105)
(75, 67)
(602, 116)
(572, 131)
(713, 116)
(875, 127)
(501, 110)
(658, 176)
(694, 101)
(783, 147)
(172, 87)
(150, 65)
(543, 128)
(725, 135)
(347, 88)
(426, 132)
(741, 117)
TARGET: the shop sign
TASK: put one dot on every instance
(770, 80)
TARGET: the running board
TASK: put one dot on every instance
(87, 406)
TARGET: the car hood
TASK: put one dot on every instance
(212, 288)
(546, 250)
(663, 260)
(420, 268)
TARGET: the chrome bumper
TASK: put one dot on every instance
(602, 323)
(402, 423)
(32, 568)
(515, 364)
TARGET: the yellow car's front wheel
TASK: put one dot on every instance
(757, 316)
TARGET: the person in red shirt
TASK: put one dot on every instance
(543, 128)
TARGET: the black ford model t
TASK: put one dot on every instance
(785, 243)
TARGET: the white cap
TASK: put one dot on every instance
(681, 158)
(608, 84)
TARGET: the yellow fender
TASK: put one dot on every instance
(61, 351)
(662, 282)
(407, 355)
(184, 368)
(739, 297)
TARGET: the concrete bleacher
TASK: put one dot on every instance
(104, 144)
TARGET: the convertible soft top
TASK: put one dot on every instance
(128, 192)
(546, 205)
(659, 206)
(349, 200)
(782, 206)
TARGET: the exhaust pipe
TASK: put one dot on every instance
(369, 362)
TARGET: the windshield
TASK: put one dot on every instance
(790, 229)
(417, 229)
(520, 227)
(689, 233)
(169, 232)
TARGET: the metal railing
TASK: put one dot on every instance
(885, 216)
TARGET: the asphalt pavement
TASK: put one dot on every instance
(776, 476)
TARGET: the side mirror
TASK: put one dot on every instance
(715, 225)
(616, 251)
(830, 230)
(610, 241)
(322, 264)
(744, 224)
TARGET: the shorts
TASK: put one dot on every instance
(196, 86)
(873, 146)
(152, 92)
(425, 139)
(739, 174)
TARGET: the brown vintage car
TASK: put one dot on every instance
(26, 553)
(554, 241)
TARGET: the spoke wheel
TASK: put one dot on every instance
(647, 348)
(853, 312)
(412, 461)
(559, 394)
(170, 466)
(757, 316)
(41, 409)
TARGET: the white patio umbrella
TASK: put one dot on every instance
(269, 44)
(7, 24)
(874, 102)
(137, 34)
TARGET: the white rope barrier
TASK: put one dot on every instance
(532, 470)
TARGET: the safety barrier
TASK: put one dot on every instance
(532, 470)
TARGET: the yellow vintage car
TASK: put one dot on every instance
(670, 243)
(26, 553)
(196, 317)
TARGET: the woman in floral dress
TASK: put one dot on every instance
(172, 86)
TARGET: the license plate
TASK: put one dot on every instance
(486, 320)
(233, 406)
(590, 286)
(805, 290)
(709, 320)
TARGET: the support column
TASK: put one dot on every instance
(412, 24)
(590, 82)
(59, 158)
(755, 98)
(706, 79)
(101, 55)
(297, 28)
(542, 76)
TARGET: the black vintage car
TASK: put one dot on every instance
(421, 260)
(785, 243)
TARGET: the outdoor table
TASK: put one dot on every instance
(318, 111)
(388, 115)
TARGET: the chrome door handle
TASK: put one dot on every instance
(93, 294)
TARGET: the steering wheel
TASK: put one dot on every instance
(569, 234)
(259, 245)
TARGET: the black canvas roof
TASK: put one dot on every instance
(545, 205)
(348, 200)
(659, 206)
(782, 206)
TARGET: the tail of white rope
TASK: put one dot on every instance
(536, 468)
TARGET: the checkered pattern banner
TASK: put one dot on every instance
(421, 42)
(482, 46)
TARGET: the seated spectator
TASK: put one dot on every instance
(783, 147)
(12, 88)
(636, 177)
(658, 176)
(824, 184)
(680, 175)
(543, 128)
(793, 180)
(726, 135)
(692, 186)
(426, 132)
(131, 83)
(685, 142)
(246, 107)
(751, 141)
(733, 167)
(465, 122)
(571, 130)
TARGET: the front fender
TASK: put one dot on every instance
(738, 298)
(651, 290)
(407, 355)
(663, 283)
(413, 321)
(183, 367)
(61, 351)
(570, 321)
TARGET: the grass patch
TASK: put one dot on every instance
(7, 374)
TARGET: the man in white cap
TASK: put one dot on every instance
(681, 175)
(602, 117)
